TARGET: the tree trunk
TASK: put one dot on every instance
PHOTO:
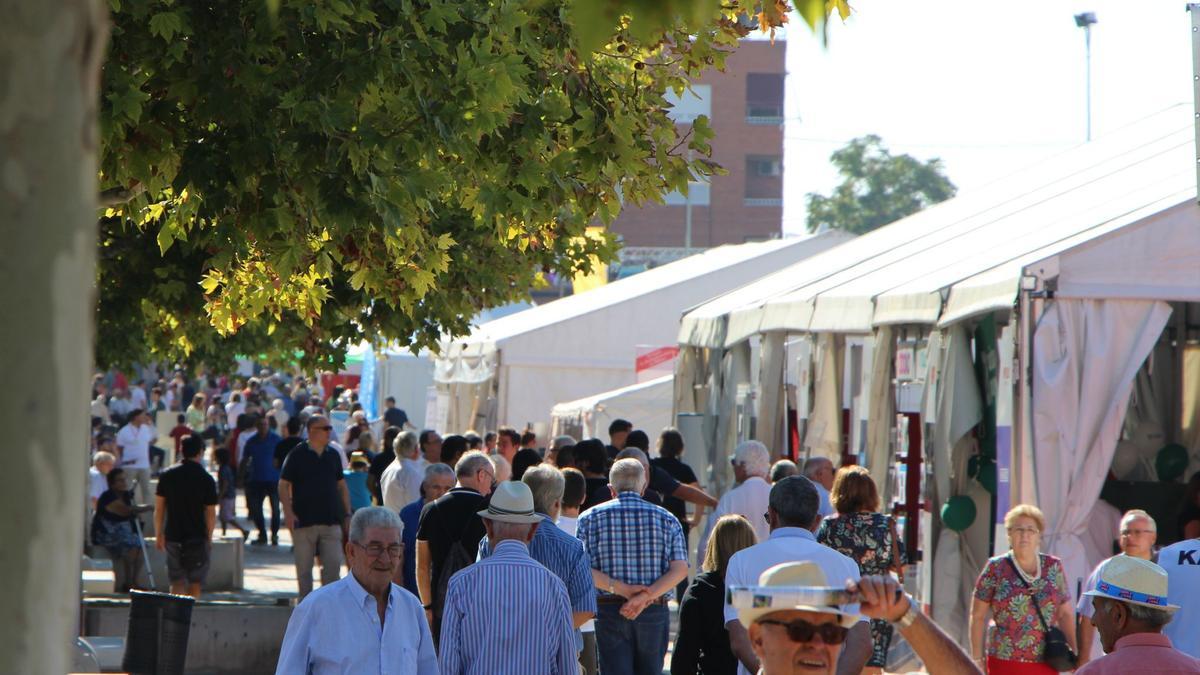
(50, 54)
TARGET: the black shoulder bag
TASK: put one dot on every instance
(1056, 653)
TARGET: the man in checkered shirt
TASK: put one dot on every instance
(638, 555)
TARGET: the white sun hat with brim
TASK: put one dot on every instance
(788, 586)
(512, 502)
(1133, 580)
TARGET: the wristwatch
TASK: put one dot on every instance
(910, 615)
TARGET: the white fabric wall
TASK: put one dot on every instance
(882, 414)
(770, 402)
(1086, 353)
(823, 437)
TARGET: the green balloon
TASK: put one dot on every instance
(1171, 462)
(987, 476)
(958, 512)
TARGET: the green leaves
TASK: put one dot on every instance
(166, 25)
(878, 188)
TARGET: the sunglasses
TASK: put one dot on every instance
(800, 630)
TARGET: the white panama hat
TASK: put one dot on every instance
(784, 587)
(1133, 580)
(512, 502)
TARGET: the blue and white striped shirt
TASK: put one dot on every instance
(507, 614)
(631, 540)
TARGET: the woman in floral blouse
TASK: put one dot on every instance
(867, 537)
(1006, 589)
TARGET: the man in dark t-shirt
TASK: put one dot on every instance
(448, 519)
(316, 505)
(186, 498)
(393, 416)
(289, 442)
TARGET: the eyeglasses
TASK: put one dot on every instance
(375, 549)
(800, 630)
(1030, 531)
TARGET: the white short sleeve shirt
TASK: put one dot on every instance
(1181, 560)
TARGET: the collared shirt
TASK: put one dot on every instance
(134, 442)
(1181, 560)
(316, 498)
(336, 629)
(631, 540)
(1143, 653)
(507, 614)
(787, 544)
(261, 450)
(748, 500)
(562, 554)
(401, 483)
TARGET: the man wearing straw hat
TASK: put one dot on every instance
(507, 613)
(797, 627)
(1130, 609)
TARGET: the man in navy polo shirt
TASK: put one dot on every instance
(316, 504)
(264, 479)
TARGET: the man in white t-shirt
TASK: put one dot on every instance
(137, 396)
(751, 465)
(792, 513)
(233, 409)
(1181, 560)
(1137, 534)
(400, 483)
(134, 441)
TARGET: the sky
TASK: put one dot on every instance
(988, 87)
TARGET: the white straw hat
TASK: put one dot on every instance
(1133, 580)
(512, 502)
(787, 586)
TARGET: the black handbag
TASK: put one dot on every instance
(1056, 653)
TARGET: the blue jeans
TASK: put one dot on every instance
(632, 647)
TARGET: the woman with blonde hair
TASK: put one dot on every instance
(703, 642)
(868, 537)
(1026, 593)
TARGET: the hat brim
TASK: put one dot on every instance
(1170, 609)
(510, 517)
(748, 615)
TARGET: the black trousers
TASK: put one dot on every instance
(256, 491)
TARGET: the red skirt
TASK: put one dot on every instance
(997, 666)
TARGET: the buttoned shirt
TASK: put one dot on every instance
(336, 629)
(748, 500)
(785, 545)
(631, 540)
(1181, 560)
(1143, 653)
(401, 483)
(562, 554)
(134, 441)
(507, 614)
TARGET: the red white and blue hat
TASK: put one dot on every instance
(1133, 580)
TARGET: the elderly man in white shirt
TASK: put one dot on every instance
(792, 512)
(820, 471)
(751, 466)
(401, 480)
(362, 623)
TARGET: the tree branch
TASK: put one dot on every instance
(120, 195)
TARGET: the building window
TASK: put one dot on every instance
(694, 102)
(764, 98)
(764, 180)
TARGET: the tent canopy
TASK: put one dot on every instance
(577, 345)
(1074, 196)
(647, 405)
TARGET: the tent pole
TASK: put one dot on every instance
(1194, 11)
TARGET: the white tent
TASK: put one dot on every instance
(647, 405)
(515, 369)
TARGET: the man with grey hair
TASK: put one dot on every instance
(1136, 537)
(362, 623)
(401, 481)
(449, 532)
(782, 469)
(792, 515)
(638, 555)
(507, 613)
(1131, 608)
(558, 551)
(439, 479)
(820, 471)
(751, 463)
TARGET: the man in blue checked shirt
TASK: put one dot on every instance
(507, 613)
(638, 555)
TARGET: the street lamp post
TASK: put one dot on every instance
(1086, 20)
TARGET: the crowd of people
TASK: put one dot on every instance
(501, 552)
